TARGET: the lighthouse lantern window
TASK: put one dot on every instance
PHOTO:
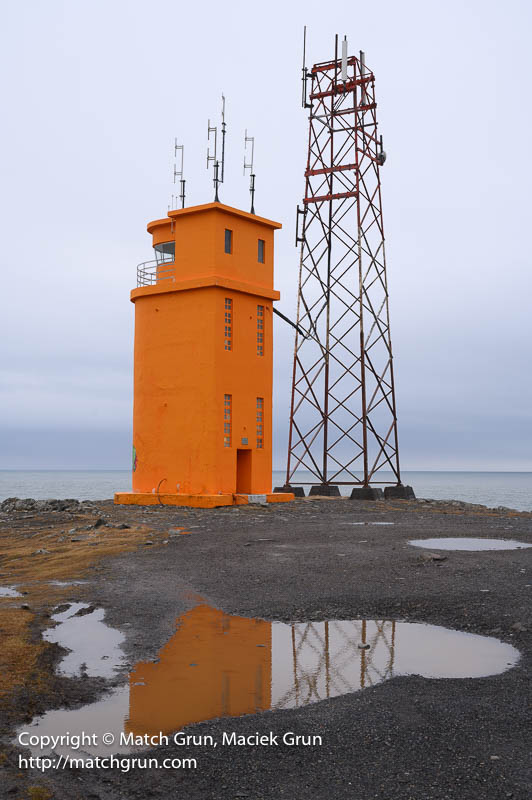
(164, 252)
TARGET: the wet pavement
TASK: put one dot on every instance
(298, 576)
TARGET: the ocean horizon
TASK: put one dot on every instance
(490, 488)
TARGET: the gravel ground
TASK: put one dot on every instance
(407, 738)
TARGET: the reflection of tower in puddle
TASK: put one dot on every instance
(219, 665)
(215, 665)
(316, 660)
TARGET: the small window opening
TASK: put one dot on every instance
(260, 330)
(260, 423)
(227, 419)
(228, 324)
(228, 241)
(262, 251)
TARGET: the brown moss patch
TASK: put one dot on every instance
(22, 664)
(18, 654)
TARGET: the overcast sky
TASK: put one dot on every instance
(93, 94)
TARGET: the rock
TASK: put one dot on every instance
(25, 606)
(148, 542)
(41, 552)
(432, 557)
(29, 504)
(518, 627)
(123, 526)
(99, 522)
(83, 611)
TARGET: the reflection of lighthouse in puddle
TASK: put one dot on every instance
(218, 665)
(215, 665)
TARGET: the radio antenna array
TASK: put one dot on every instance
(250, 167)
(179, 173)
(305, 74)
(218, 178)
(224, 126)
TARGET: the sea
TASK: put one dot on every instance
(510, 489)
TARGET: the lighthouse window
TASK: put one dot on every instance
(260, 423)
(260, 330)
(228, 241)
(261, 251)
(227, 419)
(228, 324)
(164, 252)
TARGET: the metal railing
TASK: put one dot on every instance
(149, 272)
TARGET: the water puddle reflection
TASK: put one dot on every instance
(8, 591)
(219, 665)
(464, 543)
(94, 646)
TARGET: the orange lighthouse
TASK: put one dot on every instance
(202, 420)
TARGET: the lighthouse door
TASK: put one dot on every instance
(243, 471)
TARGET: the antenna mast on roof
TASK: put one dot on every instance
(250, 167)
(179, 173)
(218, 178)
(224, 126)
(213, 158)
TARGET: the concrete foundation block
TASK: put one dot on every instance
(366, 493)
(399, 493)
(298, 491)
(324, 490)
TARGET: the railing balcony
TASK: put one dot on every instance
(151, 272)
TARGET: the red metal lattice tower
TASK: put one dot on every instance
(343, 422)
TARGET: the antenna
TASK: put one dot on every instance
(179, 173)
(214, 158)
(305, 74)
(211, 129)
(381, 155)
(224, 126)
(216, 181)
(250, 167)
(362, 75)
(344, 59)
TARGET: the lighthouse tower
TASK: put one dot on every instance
(202, 419)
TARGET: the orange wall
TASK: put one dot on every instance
(230, 676)
(182, 369)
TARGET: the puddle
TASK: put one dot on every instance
(67, 583)
(218, 665)
(95, 647)
(463, 543)
(368, 523)
(8, 591)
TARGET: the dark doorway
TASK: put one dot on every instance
(243, 471)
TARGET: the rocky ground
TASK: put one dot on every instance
(407, 738)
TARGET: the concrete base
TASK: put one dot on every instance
(198, 500)
(297, 491)
(399, 493)
(324, 490)
(367, 493)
